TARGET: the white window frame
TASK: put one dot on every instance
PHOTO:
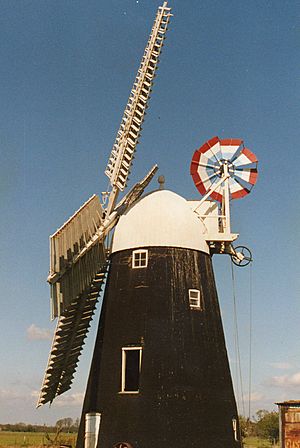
(123, 374)
(136, 262)
(198, 305)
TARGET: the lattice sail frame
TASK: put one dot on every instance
(68, 340)
(120, 161)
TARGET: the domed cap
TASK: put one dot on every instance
(161, 218)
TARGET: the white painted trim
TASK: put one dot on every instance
(198, 298)
(123, 372)
(139, 251)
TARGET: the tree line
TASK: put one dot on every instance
(264, 424)
(64, 424)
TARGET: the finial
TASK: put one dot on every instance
(161, 181)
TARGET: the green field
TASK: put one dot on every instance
(34, 439)
(255, 442)
(26, 439)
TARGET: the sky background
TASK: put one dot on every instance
(227, 69)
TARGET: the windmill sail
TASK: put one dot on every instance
(75, 255)
(119, 164)
(138, 189)
(78, 265)
(71, 330)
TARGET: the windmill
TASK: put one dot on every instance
(159, 374)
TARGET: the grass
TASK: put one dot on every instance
(26, 439)
(255, 442)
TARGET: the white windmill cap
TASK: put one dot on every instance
(161, 218)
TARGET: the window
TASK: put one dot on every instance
(195, 299)
(140, 258)
(131, 369)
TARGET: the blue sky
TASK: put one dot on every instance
(227, 69)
